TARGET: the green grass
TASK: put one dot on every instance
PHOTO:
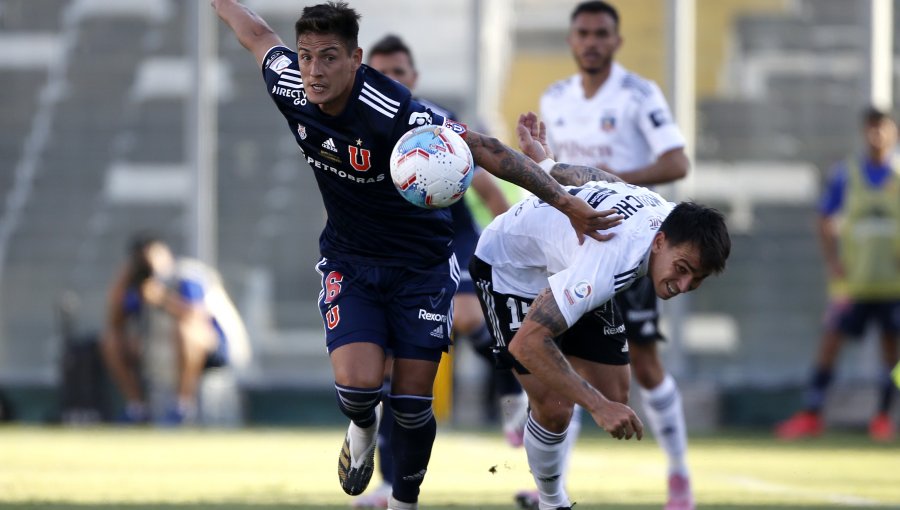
(53, 468)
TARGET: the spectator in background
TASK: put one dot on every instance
(393, 58)
(859, 228)
(207, 330)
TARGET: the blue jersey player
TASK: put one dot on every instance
(388, 272)
(392, 57)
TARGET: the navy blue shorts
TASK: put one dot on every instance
(218, 357)
(408, 311)
(851, 317)
(464, 247)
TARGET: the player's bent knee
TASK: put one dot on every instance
(551, 415)
(358, 404)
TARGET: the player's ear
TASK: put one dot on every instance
(356, 58)
(659, 242)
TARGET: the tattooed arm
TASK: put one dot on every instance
(534, 348)
(507, 164)
(576, 175)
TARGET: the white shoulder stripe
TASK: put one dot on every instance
(290, 84)
(378, 100)
(390, 101)
(290, 78)
(376, 107)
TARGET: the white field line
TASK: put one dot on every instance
(757, 484)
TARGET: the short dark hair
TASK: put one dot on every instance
(390, 44)
(335, 18)
(139, 266)
(594, 7)
(872, 116)
(703, 227)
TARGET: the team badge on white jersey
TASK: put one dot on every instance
(624, 126)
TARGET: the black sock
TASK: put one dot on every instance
(412, 439)
(385, 457)
(818, 388)
(887, 391)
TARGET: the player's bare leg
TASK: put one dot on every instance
(545, 431)
(358, 373)
(122, 361)
(881, 427)
(664, 411)
(194, 339)
(808, 421)
(378, 497)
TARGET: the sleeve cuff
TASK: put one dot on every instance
(546, 165)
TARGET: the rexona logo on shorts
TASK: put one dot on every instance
(434, 317)
(616, 330)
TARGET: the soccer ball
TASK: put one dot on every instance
(431, 166)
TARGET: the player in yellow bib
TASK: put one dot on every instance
(860, 233)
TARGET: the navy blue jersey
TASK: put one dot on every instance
(368, 220)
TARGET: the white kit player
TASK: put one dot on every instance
(608, 117)
(550, 303)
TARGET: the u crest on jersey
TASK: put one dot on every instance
(359, 158)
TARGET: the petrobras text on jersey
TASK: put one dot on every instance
(315, 163)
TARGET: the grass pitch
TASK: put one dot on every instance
(67, 469)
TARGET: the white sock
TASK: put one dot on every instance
(665, 413)
(361, 439)
(546, 453)
(394, 504)
(572, 434)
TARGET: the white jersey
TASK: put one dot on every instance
(532, 246)
(625, 126)
(201, 285)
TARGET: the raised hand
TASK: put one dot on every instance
(532, 135)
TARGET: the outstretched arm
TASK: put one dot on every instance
(532, 136)
(534, 348)
(512, 166)
(252, 31)
(489, 193)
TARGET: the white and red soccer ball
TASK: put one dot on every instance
(431, 166)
